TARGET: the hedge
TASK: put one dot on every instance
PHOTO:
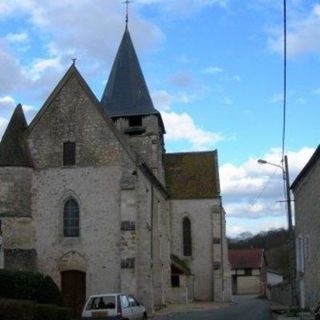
(29, 286)
(28, 310)
(19, 284)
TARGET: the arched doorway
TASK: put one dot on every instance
(73, 286)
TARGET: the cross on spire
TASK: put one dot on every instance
(127, 2)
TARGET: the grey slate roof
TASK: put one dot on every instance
(13, 148)
(126, 92)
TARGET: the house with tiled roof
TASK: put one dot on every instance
(248, 269)
(89, 196)
(306, 190)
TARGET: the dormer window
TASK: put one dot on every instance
(69, 153)
(135, 121)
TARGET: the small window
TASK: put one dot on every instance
(187, 241)
(69, 154)
(248, 272)
(175, 281)
(71, 218)
(135, 121)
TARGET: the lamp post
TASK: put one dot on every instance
(285, 171)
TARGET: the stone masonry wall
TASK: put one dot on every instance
(97, 192)
(73, 117)
(201, 262)
(15, 186)
(148, 144)
(307, 210)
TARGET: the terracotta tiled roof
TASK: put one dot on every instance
(192, 175)
(246, 258)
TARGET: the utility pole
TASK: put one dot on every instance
(292, 247)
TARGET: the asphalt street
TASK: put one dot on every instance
(243, 308)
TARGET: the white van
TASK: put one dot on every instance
(118, 306)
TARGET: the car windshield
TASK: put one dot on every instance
(102, 302)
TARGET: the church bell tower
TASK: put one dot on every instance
(126, 100)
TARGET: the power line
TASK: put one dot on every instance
(284, 76)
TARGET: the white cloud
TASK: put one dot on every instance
(41, 66)
(302, 37)
(251, 190)
(212, 70)
(87, 30)
(180, 126)
(3, 125)
(6, 102)
(17, 37)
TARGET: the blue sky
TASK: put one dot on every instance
(214, 70)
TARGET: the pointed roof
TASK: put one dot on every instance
(126, 92)
(13, 148)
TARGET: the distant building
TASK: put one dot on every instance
(89, 196)
(306, 190)
(248, 270)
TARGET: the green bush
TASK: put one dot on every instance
(16, 309)
(19, 284)
(28, 310)
(64, 313)
(48, 293)
(50, 312)
(29, 286)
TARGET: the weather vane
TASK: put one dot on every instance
(127, 2)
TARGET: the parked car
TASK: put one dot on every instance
(117, 306)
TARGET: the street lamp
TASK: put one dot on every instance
(285, 172)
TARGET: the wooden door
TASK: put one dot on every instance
(73, 286)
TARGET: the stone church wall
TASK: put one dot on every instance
(97, 193)
(204, 227)
(72, 116)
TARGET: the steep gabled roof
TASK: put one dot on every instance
(13, 148)
(246, 258)
(126, 92)
(315, 157)
(192, 175)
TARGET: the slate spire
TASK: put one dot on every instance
(13, 149)
(126, 93)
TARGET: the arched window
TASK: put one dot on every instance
(187, 241)
(71, 218)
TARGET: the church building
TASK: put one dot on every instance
(89, 196)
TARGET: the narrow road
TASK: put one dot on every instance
(244, 308)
